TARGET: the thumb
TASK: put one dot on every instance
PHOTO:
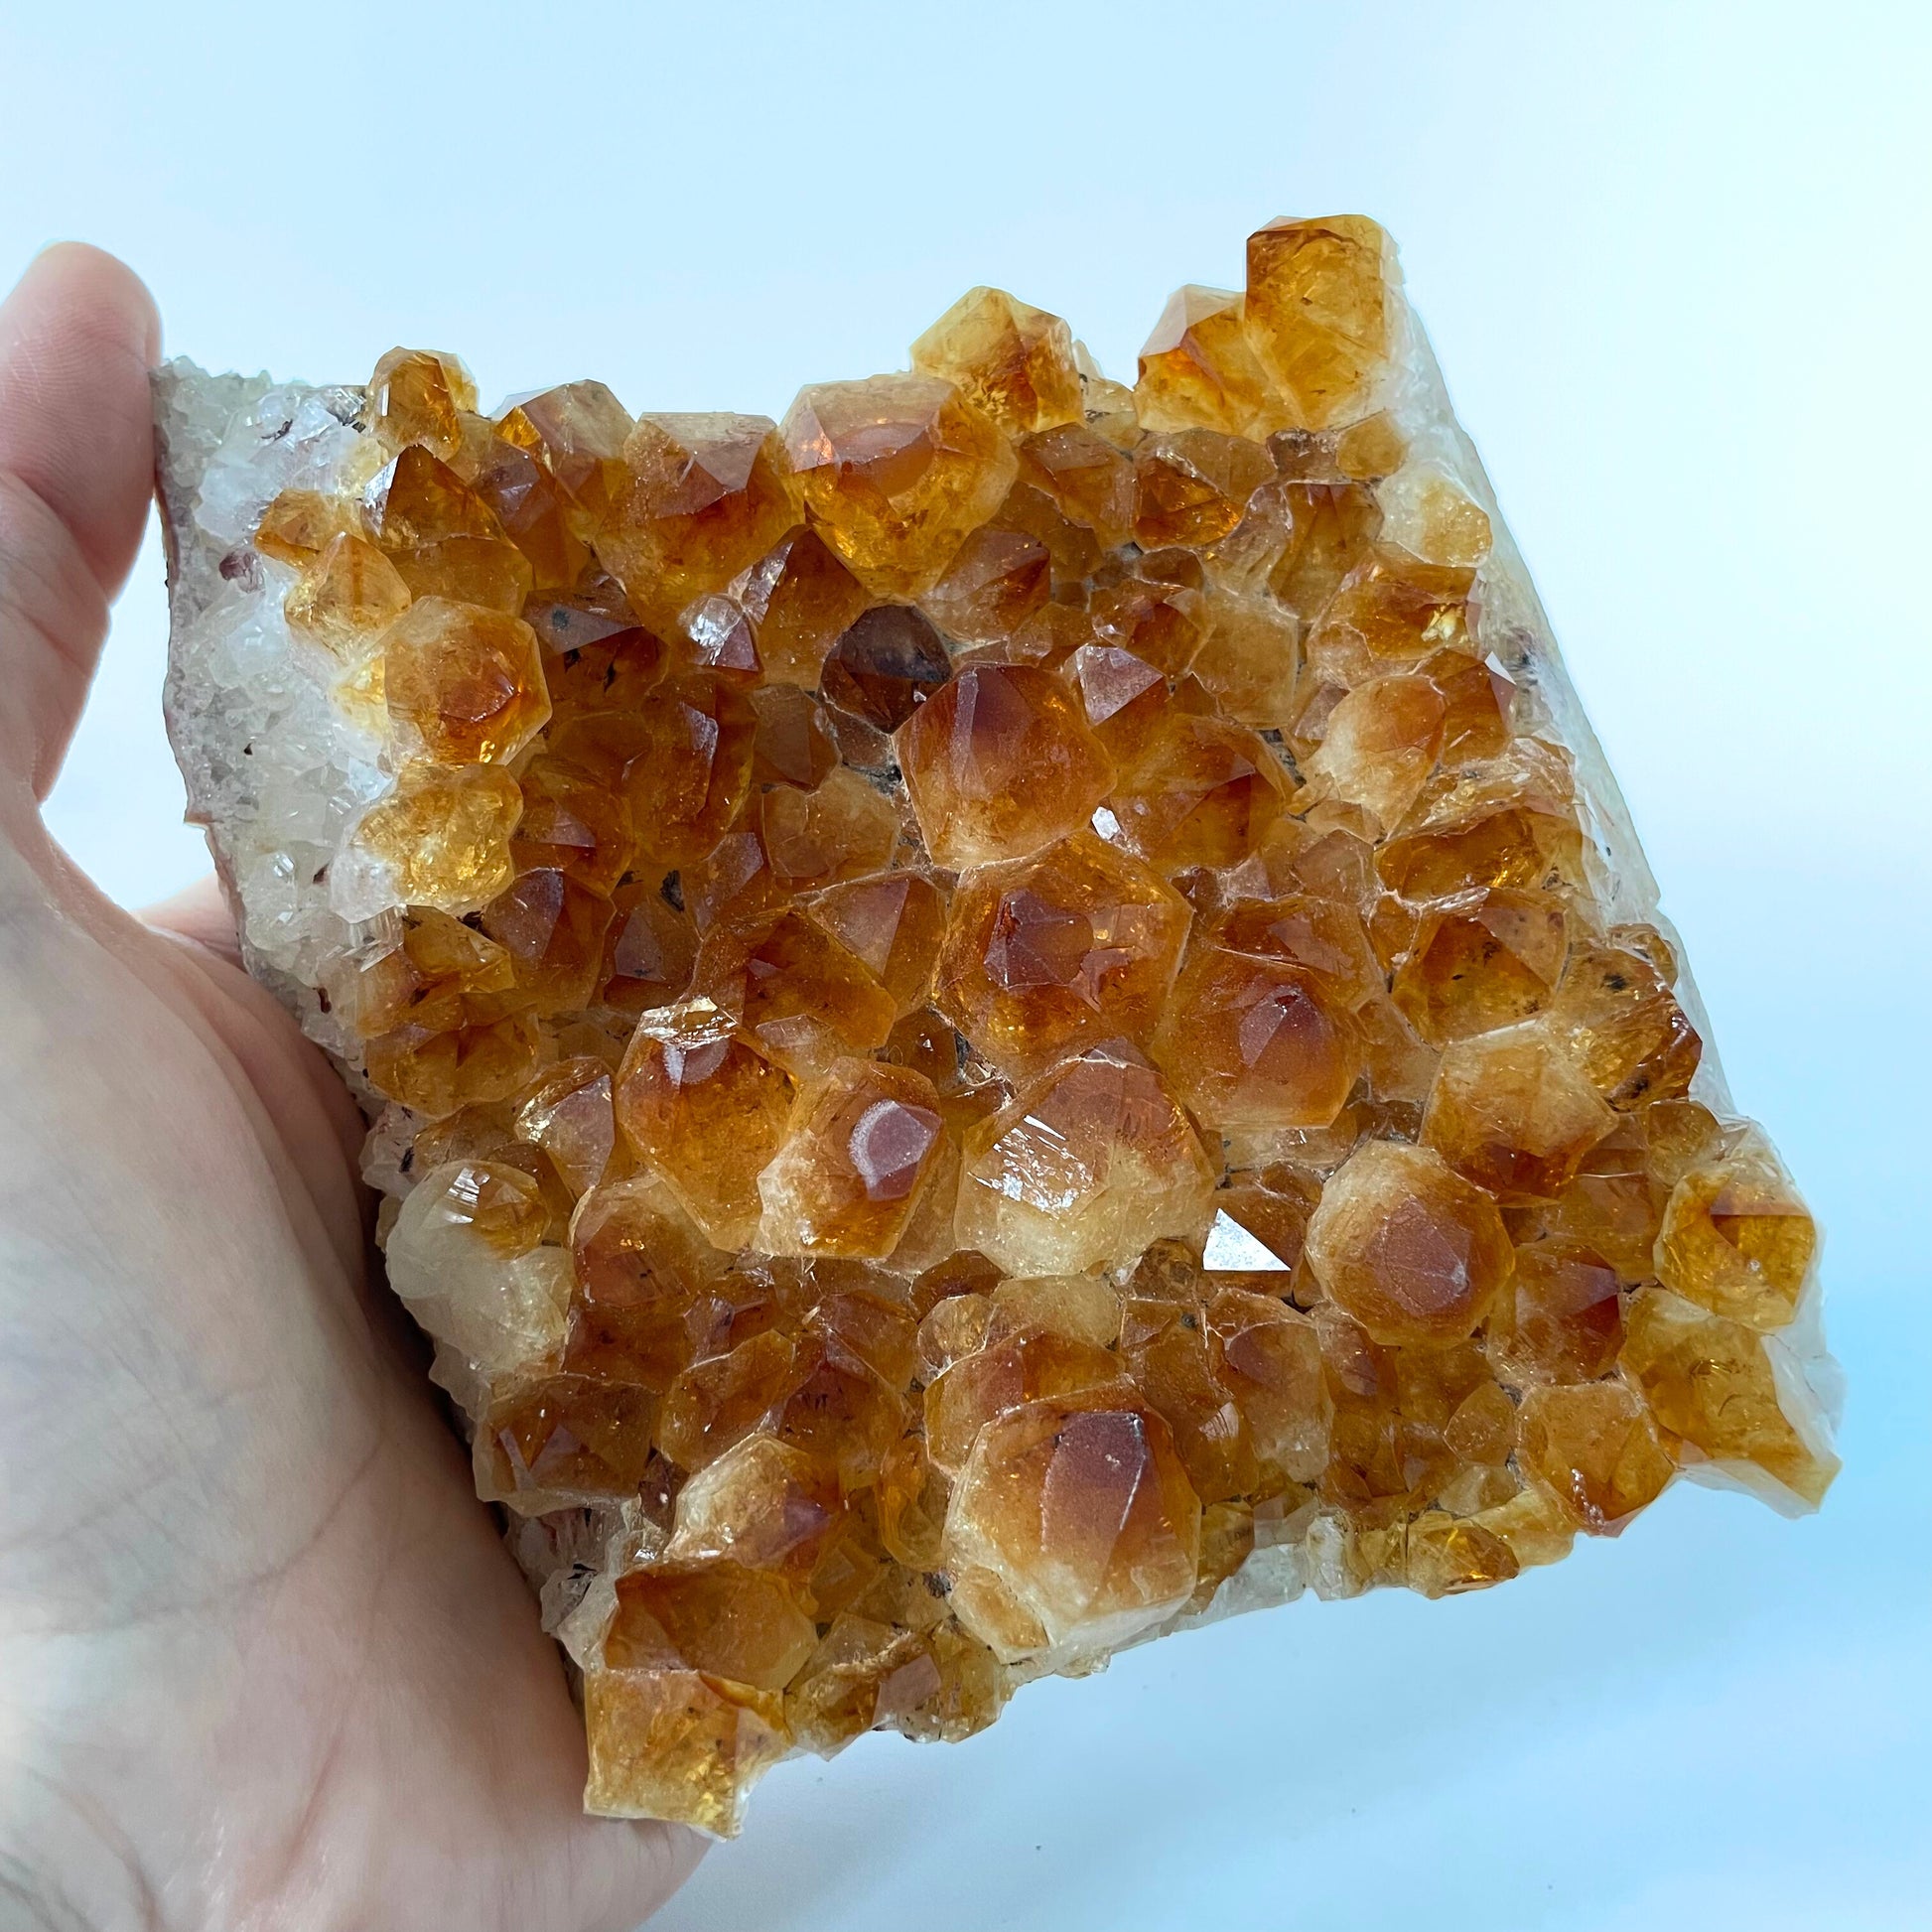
(77, 335)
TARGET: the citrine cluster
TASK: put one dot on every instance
(1005, 1015)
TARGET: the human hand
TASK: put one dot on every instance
(263, 1659)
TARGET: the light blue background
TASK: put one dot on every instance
(1673, 257)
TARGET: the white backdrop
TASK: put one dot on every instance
(1673, 257)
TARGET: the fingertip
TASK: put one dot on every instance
(103, 286)
(77, 335)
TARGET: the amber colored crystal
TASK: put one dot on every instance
(463, 684)
(564, 1436)
(894, 471)
(1407, 1246)
(1478, 702)
(567, 1113)
(443, 541)
(677, 1743)
(1170, 1362)
(298, 525)
(795, 990)
(763, 1506)
(1161, 621)
(1250, 659)
(1381, 743)
(578, 431)
(347, 597)
(1429, 513)
(419, 968)
(1255, 1042)
(1203, 792)
(857, 1151)
(1737, 1239)
(1509, 822)
(552, 927)
(690, 767)
(1329, 529)
(1008, 1016)
(1321, 935)
(892, 925)
(1124, 696)
(1083, 1519)
(650, 949)
(1561, 1319)
(704, 498)
(534, 510)
(1617, 1014)
(997, 581)
(415, 396)
(885, 664)
(1072, 947)
(1714, 1383)
(572, 824)
(1011, 360)
(1321, 315)
(794, 744)
(800, 600)
(1090, 482)
(738, 1624)
(1085, 1168)
(1371, 448)
(1484, 962)
(998, 763)
(1198, 368)
(445, 834)
(1513, 1112)
(1444, 1554)
(1593, 1447)
(843, 829)
(435, 1072)
(706, 1110)
(1193, 485)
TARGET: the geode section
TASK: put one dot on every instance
(1000, 1018)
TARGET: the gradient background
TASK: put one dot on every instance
(1673, 258)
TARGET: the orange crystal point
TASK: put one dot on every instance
(1084, 1169)
(1322, 314)
(1013, 362)
(1000, 762)
(894, 471)
(417, 398)
(347, 597)
(442, 537)
(1512, 1111)
(444, 835)
(1199, 370)
(703, 497)
(1044, 956)
(1079, 1516)
(1256, 1042)
(464, 683)
(846, 1175)
(1008, 1016)
(578, 431)
(1737, 1239)
(1406, 1246)
(1595, 1448)
(706, 1110)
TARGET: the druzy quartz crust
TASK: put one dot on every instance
(999, 1018)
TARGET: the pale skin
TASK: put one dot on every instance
(264, 1662)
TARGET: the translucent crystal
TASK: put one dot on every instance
(1012, 1013)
